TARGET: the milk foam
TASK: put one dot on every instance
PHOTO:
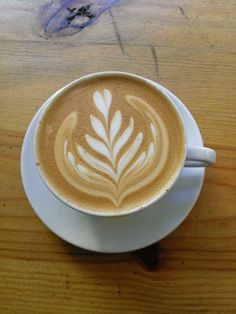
(126, 166)
(109, 144)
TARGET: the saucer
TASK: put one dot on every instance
(119, 234)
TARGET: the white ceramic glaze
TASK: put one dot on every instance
(120, 234)
(105, 180)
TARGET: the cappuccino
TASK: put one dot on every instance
(109, 143)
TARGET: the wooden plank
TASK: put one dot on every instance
(188, 25)
(189, 47)
(206, 82)
(198, 25)
(19, 21)
(80, 287)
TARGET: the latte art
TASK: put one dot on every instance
(109, 144)
(127, 167)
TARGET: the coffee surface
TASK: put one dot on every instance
(109, 144)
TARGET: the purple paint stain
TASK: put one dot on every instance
(67, 17)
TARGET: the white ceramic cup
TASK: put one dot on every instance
(194, 156)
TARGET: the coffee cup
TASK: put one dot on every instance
(113, 143)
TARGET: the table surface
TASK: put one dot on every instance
(189, 47)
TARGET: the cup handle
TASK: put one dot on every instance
(200, 157)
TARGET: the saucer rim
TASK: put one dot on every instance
(99, 250)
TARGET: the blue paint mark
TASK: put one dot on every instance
(67, 17)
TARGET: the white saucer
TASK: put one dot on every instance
(120, 234)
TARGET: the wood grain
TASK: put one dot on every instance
(187, 46)
(204, 25)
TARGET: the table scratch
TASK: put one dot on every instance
(156, 63)
(118, 37)
(183, 12)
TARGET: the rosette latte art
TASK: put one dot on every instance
(110, 143)
(128, 167)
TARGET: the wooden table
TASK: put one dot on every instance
(189, 47)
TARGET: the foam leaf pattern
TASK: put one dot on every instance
(115, 126)
(98, 146)
(103, 102)
(111, 161)
(98, 127)
(123, 139)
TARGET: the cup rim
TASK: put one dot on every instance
(49, 102)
